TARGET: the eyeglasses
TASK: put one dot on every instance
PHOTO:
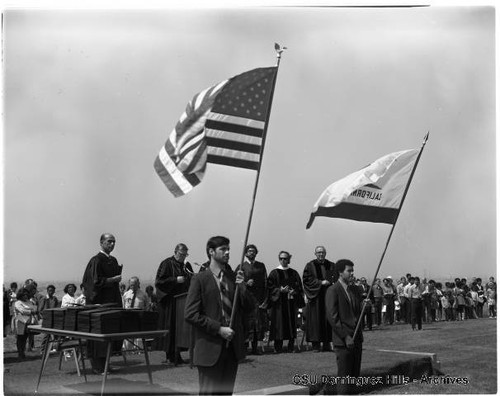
(284, 258)
(183, 253)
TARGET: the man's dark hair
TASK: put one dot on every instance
(341, 264)
(217, 241)
(13, 284)
(51, 287)
(417, 279)
(251, 247)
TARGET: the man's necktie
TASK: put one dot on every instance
(227, 305)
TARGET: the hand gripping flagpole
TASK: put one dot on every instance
(360, 319)
(279, 49)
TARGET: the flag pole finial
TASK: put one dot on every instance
(279, 49)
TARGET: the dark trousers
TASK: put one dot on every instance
(21, 344)
(219, 379)
(389, 309)
(367, 317)
(348, 364)
(417, 309)
(378, 310)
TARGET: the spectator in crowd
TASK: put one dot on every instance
(123, 288)
(286, 297)
(172, 278)
(153, 301)
(69, 299)
(218, 341)
(403, 301)
(81, 299)
(480, 297)
(491, 298)
(431, 300)
(389, 295)
(49, 301)
(101, 281)
(367, 315)
(446, 302)
(255, 274)
(378, 297)
(134, 298)
(25, 315)
(318, 275)
(406, 291)
(415, 293)
(439, 295)
(343, 308)
(459, 295)
(6, 311)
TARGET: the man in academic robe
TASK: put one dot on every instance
(318, 275)
(343, 310)
(172, 279)
(286, 296)
(219, 344)
(256, 281)
(101, 281)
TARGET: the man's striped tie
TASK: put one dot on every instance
(227, 305)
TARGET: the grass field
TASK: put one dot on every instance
(465, 350)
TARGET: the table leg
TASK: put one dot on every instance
(146, 356)
(45, 357)
(106, 367)
(82, 357)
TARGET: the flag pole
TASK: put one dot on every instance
(279, 50)
(360, 319)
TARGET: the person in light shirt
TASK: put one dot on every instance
(415, 293)
(134, 297)
(69, 299)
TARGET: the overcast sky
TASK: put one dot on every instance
(91, 96)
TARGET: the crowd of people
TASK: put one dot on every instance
(272, 305)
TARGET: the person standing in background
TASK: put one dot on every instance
(318, 275)
(256, 281)
(101, 281)
(172, 278)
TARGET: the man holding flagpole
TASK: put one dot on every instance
(343, 310)
(218, 347)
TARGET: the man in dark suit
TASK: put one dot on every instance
(218, 344)
(343, 308)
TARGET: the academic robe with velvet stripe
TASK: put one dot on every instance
(283, 309)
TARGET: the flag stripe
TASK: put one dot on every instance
(232, 119)
(242, 129)
(238, 163)
(213, 133)
(374, 214)
(232, 145)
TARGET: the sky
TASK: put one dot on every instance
(90, 96)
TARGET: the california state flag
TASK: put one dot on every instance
(372, 194)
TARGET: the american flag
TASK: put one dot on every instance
(224, 124)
